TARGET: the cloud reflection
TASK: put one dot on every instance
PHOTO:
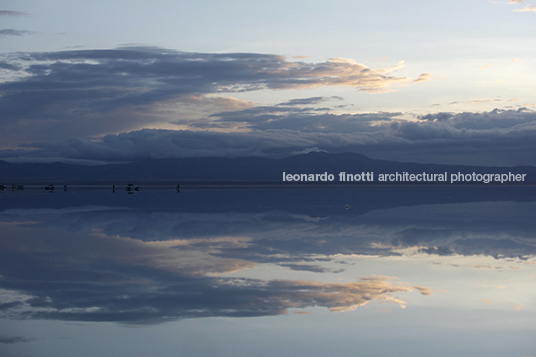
(54, 274)
(142, 265)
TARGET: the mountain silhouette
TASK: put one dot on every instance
(243, 170)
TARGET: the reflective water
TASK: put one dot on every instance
(269, 271)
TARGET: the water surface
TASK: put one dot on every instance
(269, 271)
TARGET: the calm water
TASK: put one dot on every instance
(269, 271)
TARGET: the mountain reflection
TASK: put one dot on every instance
(159, 256)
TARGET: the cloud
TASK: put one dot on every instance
(95, 92)
(479, 266)
(437, 116)
(514, 61)
(528, 8)
(66, 104)
(496, 138)
(13, 13)
(151, 74)
(159, 259)
(424, 290)
(305, 119)
(182, 143)
(9, 66)
(310, 268)
(424, 77)
(5, 339)
(475, 101)
(12, 32)
(309, 101)
(481, 101)
(87, 280)
(340, 297)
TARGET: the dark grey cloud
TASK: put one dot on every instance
(496, 138)
(94, 92)
(309, 267)
(5, 339)
(137, 76)
(58, 102)
(9, 66)
(13, 32)
(13, 13)
(437, 116)
(169, 143)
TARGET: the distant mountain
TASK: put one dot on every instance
(245, 169)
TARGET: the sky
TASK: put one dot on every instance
(232, 273)
(432, 82)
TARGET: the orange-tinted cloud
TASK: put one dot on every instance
(528, 8)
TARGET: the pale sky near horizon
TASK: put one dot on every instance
(442, 81)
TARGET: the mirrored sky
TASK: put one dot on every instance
(246, 271)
